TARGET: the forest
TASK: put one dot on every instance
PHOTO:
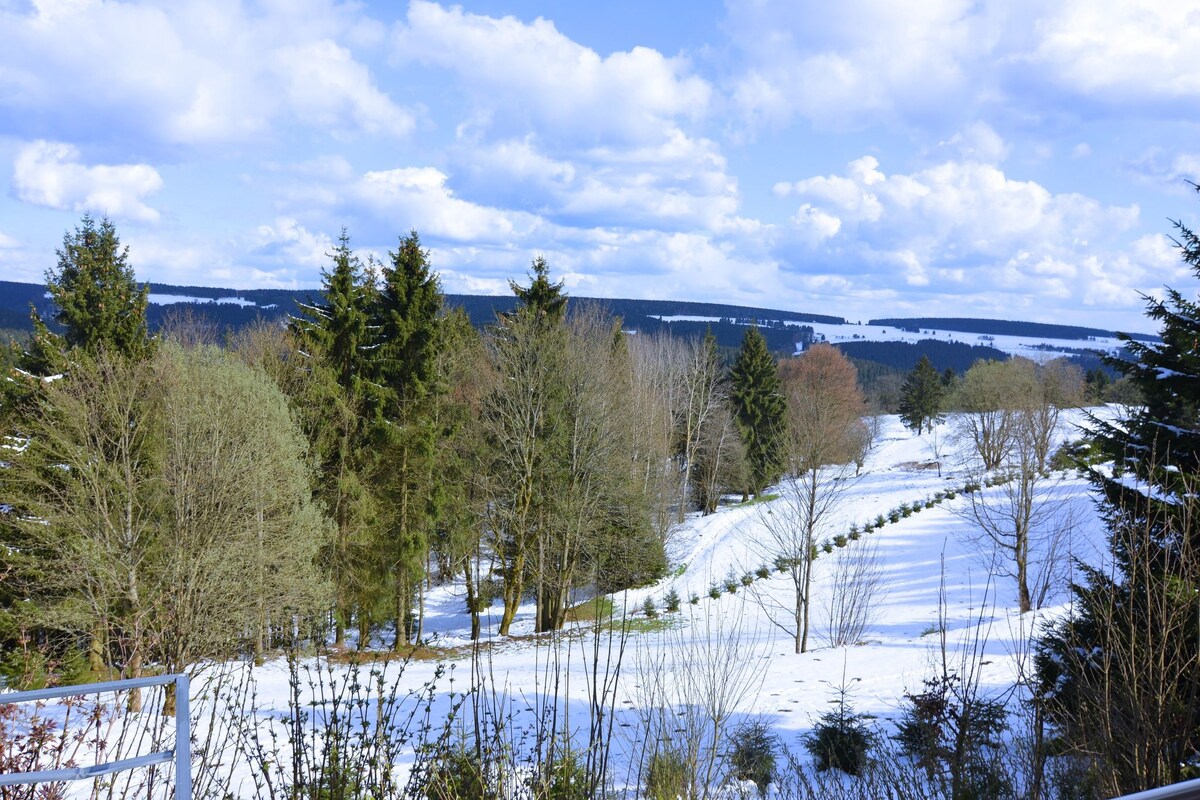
(305, 491)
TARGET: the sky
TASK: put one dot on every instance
(865, 158)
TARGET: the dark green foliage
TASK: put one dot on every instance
(1120, 676)
(648, 608)
(954, 735)
(759, 408)
(714, 591)
(543, 298)
(752, 755)
(763, 572)
(921, 397)
(841, 740)
(99, 304)
(671, 601)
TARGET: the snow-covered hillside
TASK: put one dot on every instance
(730, 649)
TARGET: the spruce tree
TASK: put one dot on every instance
(407, 318)
(921, 396)
(759, 408)
(99, 304)
(336, 334)
(1120, 677)
(544, 299)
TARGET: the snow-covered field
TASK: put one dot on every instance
(1035, 348)
(931, 565)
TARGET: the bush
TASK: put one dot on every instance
(667, 776)
(954, 734)
(752, 755)
(880, 521)
(24, 668)
(731, 585)
(695, 598)
(671, 601)
(763, 572)
(905, 510)
(827, 546)
(841, 739)
(894, 515)
(930, 503)
(714, 591)
(459, 773)
(747, 579)
(854, 533)
(566, 780)
(840, 541)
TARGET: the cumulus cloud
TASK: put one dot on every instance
(52, 174)
(189, 72)
(964, 226)
(1120, 52)
(531, 73)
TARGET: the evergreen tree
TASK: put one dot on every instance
(337, 337)
(545, 299)
(760, 409)
(921, 397)
(1121, 676)
(407, 317)
(99, 302)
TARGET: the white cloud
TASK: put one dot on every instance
(965, 226)
(420, 197)
(289, 241)
(1121, 52)
(525, 74)
(51, 174)
(190, 72)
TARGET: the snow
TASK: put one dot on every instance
(932, 566)
(170, 299)
(1034, 348)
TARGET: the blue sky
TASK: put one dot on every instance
(994, 158)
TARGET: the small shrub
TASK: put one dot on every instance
(930, 503)
(763, 572)
(813, 552)
(567, 779)
(939, 497)
(648, 609)
(853, 533)
(841, 740)
(894, 515)
(905, 510)
(827, 546)
(951, 494)
(840, 541)
(747, 579)
(695, 598)
(731, 585)
(459, 773)
(870, 526)
(714, 591)
(667, 776)
(880, 521)
(752, 755)
(671, 601)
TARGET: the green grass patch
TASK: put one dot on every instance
(762, 498)
(591, 610)
(641, 624)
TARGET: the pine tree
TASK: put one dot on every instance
(1121, 676)
(99, 302)
(337, 336)
(543, 298)
(407, 316)
(760, 409)
(921, 396)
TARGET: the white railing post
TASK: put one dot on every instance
(183, 739)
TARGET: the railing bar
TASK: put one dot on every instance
(83, 773)
(85, 689)
(1187, 790)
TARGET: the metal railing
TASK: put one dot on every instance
(1187, 790)
(180, 754)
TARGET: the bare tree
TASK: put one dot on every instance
(825, 410)
(1021, 519)
(856, 587)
